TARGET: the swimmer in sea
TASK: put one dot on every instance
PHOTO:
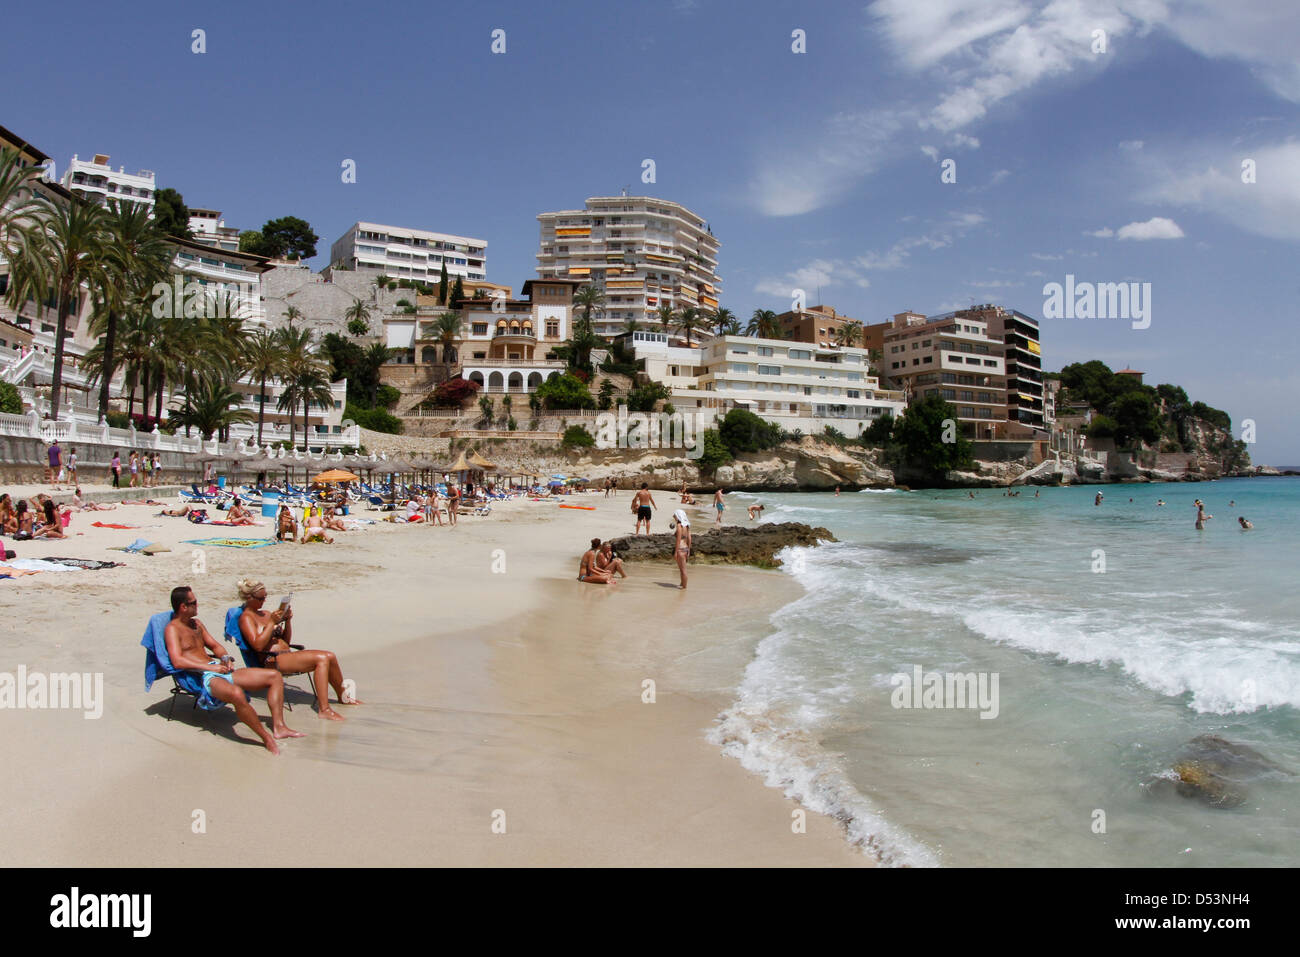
(1241, 520)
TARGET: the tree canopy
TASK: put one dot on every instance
(286, 237)
(171, 216)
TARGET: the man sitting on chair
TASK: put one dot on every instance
(219, 682)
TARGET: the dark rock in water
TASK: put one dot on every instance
(1215, 770)
(729, 545)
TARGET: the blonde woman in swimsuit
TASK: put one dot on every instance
(682, 542)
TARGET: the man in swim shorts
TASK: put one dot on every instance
(189, 645)
(719, 506)
(643, 502)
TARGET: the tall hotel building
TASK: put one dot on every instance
(1024, 360)
(414, 254)
(642, 252)
(99, 182)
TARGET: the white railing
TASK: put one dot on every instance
(19, 369)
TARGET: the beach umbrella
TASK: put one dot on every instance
(335, 475)
(460, 465)
(478, 461)
(560, 477)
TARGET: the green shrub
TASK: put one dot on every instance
(117, 420)
(743, 431)
(575, 436)
(10, 400)
(643, 397)
(565, 392)
(715, 452)
(376, 420)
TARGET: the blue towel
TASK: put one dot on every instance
(233, 633)
(138, 545)
(157, 663)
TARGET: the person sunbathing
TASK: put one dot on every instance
(8, 571)
(176, 512)
(313, 529)
(589, 572)
(286, 524)
(189, 644)
(332, 521)
(81, 505)
(52, 526)
(24, 521)
(607, 561)
(238, 515)
(268, 634)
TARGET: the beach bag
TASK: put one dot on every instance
(198, 515)
(62, 473)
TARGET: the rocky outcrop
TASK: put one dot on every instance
(1216, 771)
(729, 545)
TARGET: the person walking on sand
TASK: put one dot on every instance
(453, 503)
(643, 503)
(135, 469)
(56, 463)
(115, 469)
(681, 543)
(718, 506)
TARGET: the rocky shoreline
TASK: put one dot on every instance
(729, 545)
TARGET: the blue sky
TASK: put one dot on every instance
(818, 170)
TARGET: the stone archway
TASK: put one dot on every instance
(534, 380)
(476, 377)
(496, 382)
(428, 354)
(516, 382)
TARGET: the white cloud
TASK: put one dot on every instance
(931, 152)
(1046, 256)
(829, 272)
(1158, 227)
(1131, 146)
(1270, 206)
(962, 141)
(1104, 233)
(993, 284)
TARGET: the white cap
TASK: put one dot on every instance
(680, 517)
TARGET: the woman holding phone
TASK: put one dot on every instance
(268, 633)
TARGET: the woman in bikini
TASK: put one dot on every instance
(268, 633)
(8, 520)
(682, 542)
(52, 526)
(25, 520)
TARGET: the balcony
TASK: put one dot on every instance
(529, 335)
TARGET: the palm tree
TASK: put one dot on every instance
(137, 329)
(762, 324)
(372, 360)
(723, 320)
(296, 345)
(20, 204)
(292, 314)
(631, 325)
(208, 408)
(66, 251)
(448, 329)
(666, 316)
(138, 255)
(358, 318)
(306, 383)
(588, 298)
(263, 359)
(849, 334)
(690, 319)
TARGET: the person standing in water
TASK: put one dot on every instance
(682, 542)
(719, 506)
(1097, 500)
(1201, 517)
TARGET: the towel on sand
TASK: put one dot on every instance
(111, 525)
(232, 542)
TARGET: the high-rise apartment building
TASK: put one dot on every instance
(642, 252)
(955, 357)
(1023, 356)
(415, 254)
(96, 180)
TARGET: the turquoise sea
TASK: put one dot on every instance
(1118, 634)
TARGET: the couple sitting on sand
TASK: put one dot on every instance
(191, 648)
(599, 564)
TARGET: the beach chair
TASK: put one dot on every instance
(484, 509)
(252, 658)
(378, 504)
(157, 663)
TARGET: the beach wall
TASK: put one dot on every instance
(23, 460)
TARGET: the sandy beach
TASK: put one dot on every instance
(511, 698)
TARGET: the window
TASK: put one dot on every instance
(853, 393)
(916, 362)
(985, 397)
(479, 328)
(552, 328)
(991, 362)
(764, 350)
(769, 370)
(926, 343)
(967, 411)
(927, 360)
(948, 393)
(972, 361)
(967, 396)
(800, 354)
(737, 367)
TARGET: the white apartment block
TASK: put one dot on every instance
(642, 252)
(99, 182)
(796, 385)
(224, 272)
(207, 227)
(415, 254)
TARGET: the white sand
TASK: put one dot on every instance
(518, 692)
